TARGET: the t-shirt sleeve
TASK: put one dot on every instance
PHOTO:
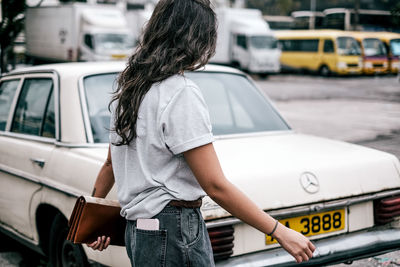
(185, 122)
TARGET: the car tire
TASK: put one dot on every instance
(263, 76)
(324, 71)
(63, 252)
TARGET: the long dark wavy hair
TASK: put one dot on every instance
(180, 35)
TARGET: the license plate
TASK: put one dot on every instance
(118, 56)
(314, 224)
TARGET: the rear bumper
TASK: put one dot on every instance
(330, 250)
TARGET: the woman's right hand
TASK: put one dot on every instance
(100, 244)
(299, 246)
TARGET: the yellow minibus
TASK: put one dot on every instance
(391, 41)
(374, 53)
(324, 51)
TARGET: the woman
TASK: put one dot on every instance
(161, 152)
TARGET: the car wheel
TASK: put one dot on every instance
(324, 71)
(263, 76)
(63, 252)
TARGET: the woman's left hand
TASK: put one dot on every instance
(100, 244)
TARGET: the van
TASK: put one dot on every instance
(245, 41)
(323, 51)
(77, 32)
(374, 53)
(391, 41)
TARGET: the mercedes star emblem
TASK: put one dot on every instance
(309, 182)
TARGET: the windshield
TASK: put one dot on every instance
(113, 41)
(348, 46)
(263, 42)
(373, 47)
(235, 105)
(395, 47)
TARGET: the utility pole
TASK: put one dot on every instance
(2, 47)
(313, 7)
(356, 15)
(1, 11)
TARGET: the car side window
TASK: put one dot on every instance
(7, 92)
(328, 46)
(49, 129)
(89, 40)
(32, 105)
(241, 41)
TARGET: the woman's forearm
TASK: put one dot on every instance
(239, 205)
(105, 179)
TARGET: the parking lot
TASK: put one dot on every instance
(361, 110)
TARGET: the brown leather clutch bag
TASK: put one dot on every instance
(93, 217)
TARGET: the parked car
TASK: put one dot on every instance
(324, 51)
(53, 141)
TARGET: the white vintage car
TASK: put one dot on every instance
(53, 140)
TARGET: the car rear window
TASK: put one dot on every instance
(235, 105)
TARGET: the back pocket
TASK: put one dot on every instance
(150, 248)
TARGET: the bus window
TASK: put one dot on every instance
(348, 46)
(334, 21)
(328, 46)
(309, 45)
(373, 47)
(395, 47)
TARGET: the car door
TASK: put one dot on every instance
(328, 55)
(240, 51)
(26, 146)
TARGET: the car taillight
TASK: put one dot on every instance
(221, 241)
(386, 209)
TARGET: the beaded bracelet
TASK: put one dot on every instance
(273, 230)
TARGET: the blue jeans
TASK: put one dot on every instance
(182, 240)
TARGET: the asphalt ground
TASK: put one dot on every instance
(361, 110)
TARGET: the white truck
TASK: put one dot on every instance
(77, 32)
(246, 41)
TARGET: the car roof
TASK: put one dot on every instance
(311, 33)
(87, 68)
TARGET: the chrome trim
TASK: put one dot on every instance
(42, 182)
(12, 233)
(28, 137)
(57, 105)
(84, 107)
(255, 134)
(85, 111)
(329, 250)
(14, 104)
(307, 209)
(82, 145)
(28, 71)
(56, 88)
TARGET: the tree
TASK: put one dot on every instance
(396, 15)
(11, 25)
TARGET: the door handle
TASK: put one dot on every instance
(39, 162)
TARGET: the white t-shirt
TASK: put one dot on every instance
(151, 171)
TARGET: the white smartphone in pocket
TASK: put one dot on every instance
(148, 224)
